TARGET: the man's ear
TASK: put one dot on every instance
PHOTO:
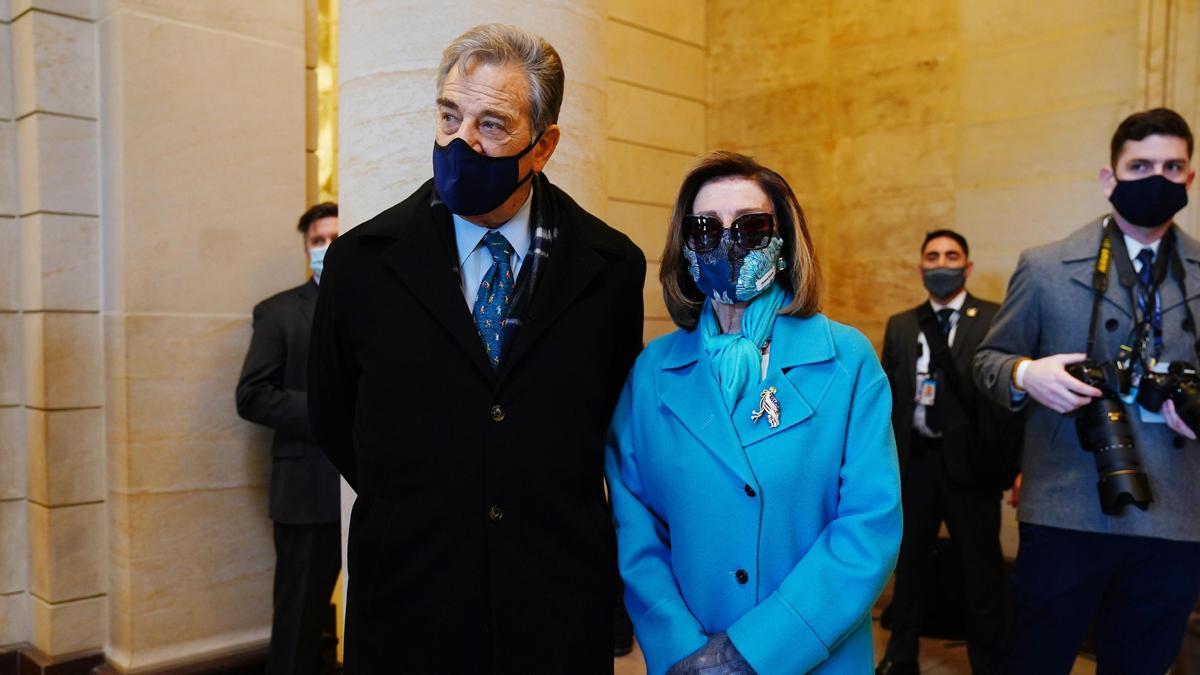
(1108, 180)
(545, 148)
(967, 269)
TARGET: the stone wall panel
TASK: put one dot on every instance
(61, 262)
(675, 65)
(12, 367)
(79, 9)
(655, 119)
(66, 552)
(10, 264)
(63, 360)
(14, 541)
(214, 234)
(12, 453)
(58, 161)
(69, 627)
(66, 456)
(56, 59)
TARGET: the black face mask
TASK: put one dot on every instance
(942, 281)
(1150, 201)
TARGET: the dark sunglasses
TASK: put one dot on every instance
(751, 231)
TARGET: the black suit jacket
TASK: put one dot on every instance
(305, 489)
(977, 436)
(481, 541)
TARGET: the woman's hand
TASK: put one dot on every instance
(718, 657)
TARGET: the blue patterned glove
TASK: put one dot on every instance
(718, 657)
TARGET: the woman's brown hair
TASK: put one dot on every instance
(801, 277)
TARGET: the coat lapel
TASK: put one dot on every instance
(689, 391)
(424, 260)
(570, 268)
(1189, 254)
(1079, 258)
(800, 350)
(967, 327)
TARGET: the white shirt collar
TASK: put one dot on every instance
(1134, 247)
(955, 303)
(469, 236)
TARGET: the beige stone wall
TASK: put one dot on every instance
(893, 118)
(203, 130)
(14, 584)
(657, 107)
(50, 49)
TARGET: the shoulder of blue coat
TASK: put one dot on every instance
(849, 343)
(653, 354)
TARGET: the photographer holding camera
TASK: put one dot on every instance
(1096, 332)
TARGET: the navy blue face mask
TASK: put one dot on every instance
(472, 184)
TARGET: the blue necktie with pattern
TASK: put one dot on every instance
(495, 292)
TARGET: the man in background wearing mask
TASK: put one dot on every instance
(1115, 287)
(469, 346)
(936, 415)
(305, 490)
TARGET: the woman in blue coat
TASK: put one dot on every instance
(751, 460)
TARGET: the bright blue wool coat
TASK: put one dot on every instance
(782, 537)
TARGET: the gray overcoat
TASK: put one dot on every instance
(1046, 311)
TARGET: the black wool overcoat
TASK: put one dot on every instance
(480, 541)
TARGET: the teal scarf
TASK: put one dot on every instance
(737, 357)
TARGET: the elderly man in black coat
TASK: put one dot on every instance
(468, 348)
(305, 501)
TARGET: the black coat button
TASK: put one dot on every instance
(1112, 324)
(1179, 442)
(750, 491)
(497, 413)
(495, 514)
(742, 576)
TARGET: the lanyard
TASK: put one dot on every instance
(1168, 258)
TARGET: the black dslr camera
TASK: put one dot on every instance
(1104, 431)
(1180, 384)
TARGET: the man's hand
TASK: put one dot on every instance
(1175, 422)
(1048, 382)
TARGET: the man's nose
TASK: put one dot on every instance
(468, 133)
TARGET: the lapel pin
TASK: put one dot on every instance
(971, 312)
(767, 403)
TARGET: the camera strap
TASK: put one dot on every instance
(1177, 271)
(1113, 243)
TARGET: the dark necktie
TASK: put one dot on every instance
(495, 292)
(943, 316)
(1146, 257)
(1145, 289)
(933, 413)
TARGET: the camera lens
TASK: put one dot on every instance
(1104, 431)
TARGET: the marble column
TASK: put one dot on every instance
(203, 140)
(14, 597)
(55, 108)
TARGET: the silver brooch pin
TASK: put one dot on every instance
(767, 403)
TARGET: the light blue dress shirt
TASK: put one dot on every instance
(474, 260)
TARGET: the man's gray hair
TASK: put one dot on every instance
(501, 44)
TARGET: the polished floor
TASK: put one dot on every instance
(937, 658)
